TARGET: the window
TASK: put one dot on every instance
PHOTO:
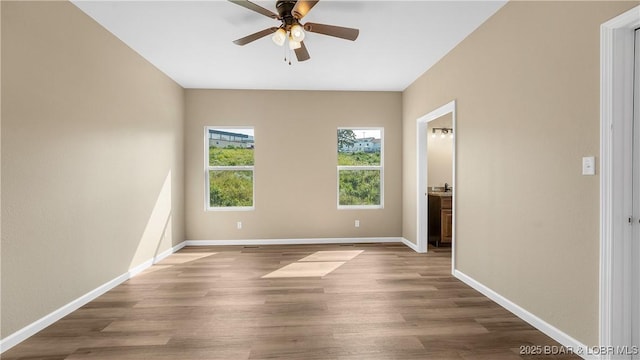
(360, 168)
(229, 168)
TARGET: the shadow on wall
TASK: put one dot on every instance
(157, 235)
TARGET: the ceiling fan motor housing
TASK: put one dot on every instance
(284, 8)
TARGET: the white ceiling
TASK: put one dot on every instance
(191, 41)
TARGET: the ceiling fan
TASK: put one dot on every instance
(290, 12)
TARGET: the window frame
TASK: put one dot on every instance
(379, 168)
(208, 168)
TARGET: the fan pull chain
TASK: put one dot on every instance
(287, 52)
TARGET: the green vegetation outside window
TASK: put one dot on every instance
(230, 168)
(360, 170)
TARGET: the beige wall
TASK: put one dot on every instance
(527, 90)
(296, 160)
(92, 139)
(439, 153)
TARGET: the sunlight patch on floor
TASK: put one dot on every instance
(342, 255)
(181, 258)
(305, 269)
(317, 264)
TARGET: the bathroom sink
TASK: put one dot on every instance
(441, 193)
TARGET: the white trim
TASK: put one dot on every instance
(454, 217)
(360, 207)
(421, 177)
(634, 279)
(356, 167)
(550, 330)
(232, 208)
(145, 265)
(306, 241)
(422, 209)
(616, 104)
(38, 325)
(410, 245)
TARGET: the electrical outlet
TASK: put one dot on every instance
(239, 225)
(588, 165)
(357, 224)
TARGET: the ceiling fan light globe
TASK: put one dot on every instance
(279, 37)
(297, 33)
(293, 45)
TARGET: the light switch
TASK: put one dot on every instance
(589, 165)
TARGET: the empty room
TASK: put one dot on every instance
(326, 179)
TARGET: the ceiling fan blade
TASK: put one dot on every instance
(255, 36)
(301, 53)
(257, 8)
(332, 30)
(302, 7)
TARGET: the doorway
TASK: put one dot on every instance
(440, 181)
(620, 186)
(422, 167)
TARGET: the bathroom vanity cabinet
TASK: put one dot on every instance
(440, 228)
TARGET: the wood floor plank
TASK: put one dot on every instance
(384, 302)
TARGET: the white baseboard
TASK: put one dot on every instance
(306, 241)
(38, 325)
(145, 265)
(551, 331)
(411, 245)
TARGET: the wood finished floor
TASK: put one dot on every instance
(388, 302)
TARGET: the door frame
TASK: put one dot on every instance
(635, 232)
(422, 168)
(616, 108)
